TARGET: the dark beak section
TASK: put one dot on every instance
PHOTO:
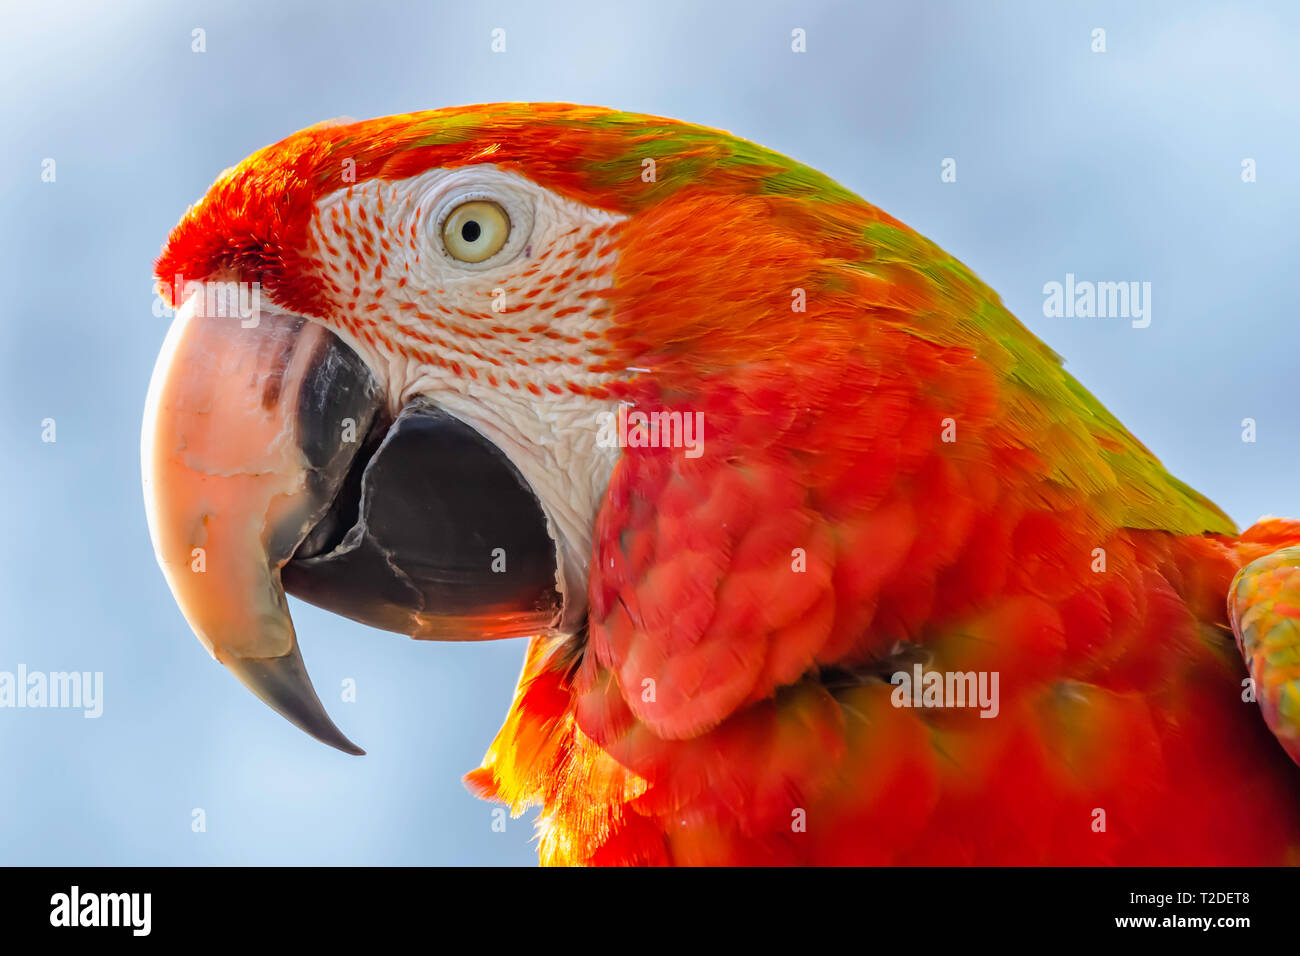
(270, 462)
(448, 542)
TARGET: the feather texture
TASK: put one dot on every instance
(896, 474)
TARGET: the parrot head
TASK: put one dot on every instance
(398, 346)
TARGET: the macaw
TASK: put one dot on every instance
(741, 456)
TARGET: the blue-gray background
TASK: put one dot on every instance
(1116, 166)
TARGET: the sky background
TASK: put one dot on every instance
(1115, 166)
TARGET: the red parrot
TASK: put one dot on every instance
(821, 556)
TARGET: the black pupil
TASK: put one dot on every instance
(470, 231)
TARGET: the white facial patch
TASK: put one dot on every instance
(511, 345)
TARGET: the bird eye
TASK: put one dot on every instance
(475, 230)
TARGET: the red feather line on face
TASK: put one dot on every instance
(543, 344)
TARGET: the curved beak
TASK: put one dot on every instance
(271, 460)
(242, 451)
